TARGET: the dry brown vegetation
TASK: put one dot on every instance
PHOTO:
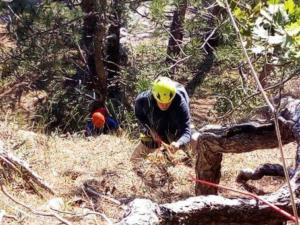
(5, 43)
(70, 162)
(102, 163)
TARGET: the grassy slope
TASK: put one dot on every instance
(67, 162)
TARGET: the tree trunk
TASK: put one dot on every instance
(93, 38)
(99, 51)
(176, 32)
(113, 51)
(203, 69)
(210, 39)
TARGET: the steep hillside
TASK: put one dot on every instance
(92, 177)
(82, 169)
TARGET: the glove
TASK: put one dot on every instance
(174, 146)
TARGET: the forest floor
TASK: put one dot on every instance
(72, 163)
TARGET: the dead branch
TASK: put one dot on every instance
(38, 213)
(75, 215)
(3, 215)
(266, 169)
(89, 191)
(213, 141)
(22, 168)
(211, 35)
(90, 201)
(13, 88)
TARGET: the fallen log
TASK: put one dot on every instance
(267, 169)
(213, 209)
(22, 168)
(212, 141)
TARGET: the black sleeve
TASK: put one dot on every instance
(184, 122)
(140, 108)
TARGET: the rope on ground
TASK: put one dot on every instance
(274, 207)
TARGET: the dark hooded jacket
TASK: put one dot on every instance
(172, 124)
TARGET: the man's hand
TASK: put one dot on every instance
(174, 146)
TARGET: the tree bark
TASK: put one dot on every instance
(176, 32)
(22, 168)
(212, 142)
(113, 52)
(93, 41)
(99, 51)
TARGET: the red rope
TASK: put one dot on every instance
(277, 209)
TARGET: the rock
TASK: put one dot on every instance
(141, 212)
(2, 214)
(56, 204)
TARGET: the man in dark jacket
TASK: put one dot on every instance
(164, 114)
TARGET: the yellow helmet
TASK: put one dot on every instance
(163, 90)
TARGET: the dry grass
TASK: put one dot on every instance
(103, 162)
(5, 43)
